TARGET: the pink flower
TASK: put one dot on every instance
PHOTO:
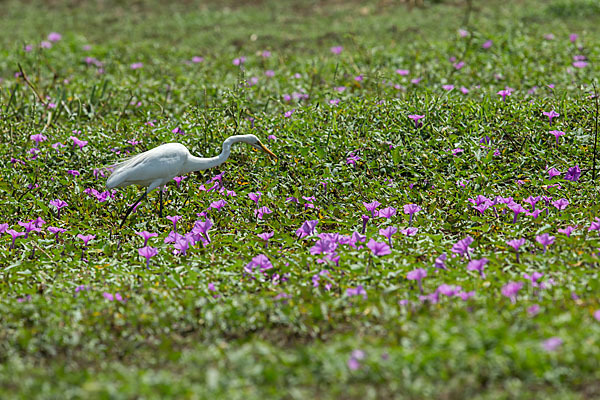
(478, 265)
(552, 344)
(54, 37)
(379, 248)
(336, 49)
(511, 290)
(551, 115)
(416, 118)
(417, 275)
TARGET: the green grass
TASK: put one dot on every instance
(172, 335)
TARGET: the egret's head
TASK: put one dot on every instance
(257, 144)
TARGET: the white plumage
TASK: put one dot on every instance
(155, 168)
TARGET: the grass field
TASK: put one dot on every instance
(429, 229)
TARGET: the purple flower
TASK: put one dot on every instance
(182, 244)
(37, 138)
(440, 261)
(54, 36)
(480, 199)
(78, 142)
(217, 205)
(504, 93)
(307, 228)
(352, 159)
(178, 131)
(516, 209)
(387, 212)
(573, 174)
(323, 246)
(14, 234)
(239, 61)
(573, 37)
(597, 315)
(560, 204)
(482, 207)
(533, 310)
(379, 248)
(261, 262)
(174, 220)
(515, 244)
(147, 251)
(358, 291)
(146, 235)
(595, 225)
(136, 65)
(262, 211)
(552, 343)
(487, 44)
(462, 246)
(532, 200)
(86, 238)
(411, 209)
(354, 360)
(545, 240)
(478, 265)
(580, 64)
(448, 88)
(365, 219)
(288, 114)
(58, 204)
(388, 232)
(416, 118)
(56, 231)
(557, 134)
(197, 59)
(201, 229)
(179, 179)
(511, 289)
(372, 207)
(417, 274)
(29, 226)
(533, 278)
(410, 231)
(255, 197)
(448, 290)
(336, 49)
(402, 72)
(567, 231)
(266, 236)
(552, 172)
(551, 114)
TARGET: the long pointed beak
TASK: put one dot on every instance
(266, 150)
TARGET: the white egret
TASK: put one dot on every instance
(155, 168)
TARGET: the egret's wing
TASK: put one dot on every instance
(163, 162)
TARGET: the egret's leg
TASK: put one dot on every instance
(161, 202)
(132, 207)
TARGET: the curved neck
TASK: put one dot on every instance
(194, 163)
